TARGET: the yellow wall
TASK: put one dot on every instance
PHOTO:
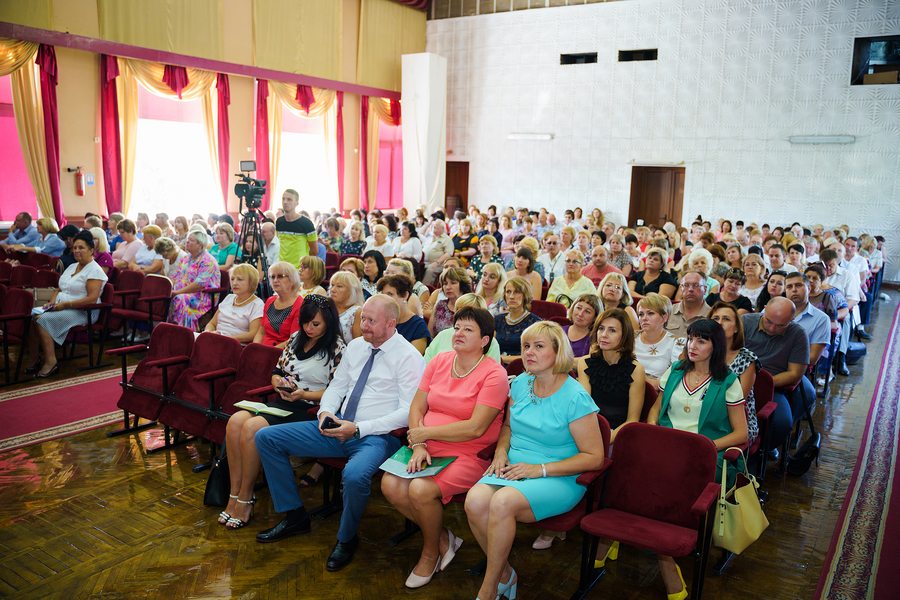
(355, 41)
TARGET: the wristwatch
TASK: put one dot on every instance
(356, 433)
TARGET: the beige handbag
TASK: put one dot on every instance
(740, 519)
(41, 295)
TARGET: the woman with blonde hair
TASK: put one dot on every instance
(618, 257)
(654, 277)
(147, 261)
(572, 284)
(755, 273)
(490, 287)
(508, 327)
(583, 312)
(465, 242)
(282, 309)
(357, 243)
(312, 273)
(101, 249)
(401, 266)
(171, 254)
(700, 260)
(567, 238)
(240, 314)
(488, 252)
(614, 293)
(355, 266)
(51, 243)
(348, 297)
(181, 227)
(454, 283)
(380, 242)
(654, 347)
(550, 436)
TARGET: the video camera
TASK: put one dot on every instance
(250, 190)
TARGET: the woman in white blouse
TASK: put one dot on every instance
(147, 261)
(240, 313)
(655, 348)
(171, 254)
(80, 286)
(347, 294)
(380, 242)
(408, 245)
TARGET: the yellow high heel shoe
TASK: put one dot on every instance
(683, 593)
(611, 554)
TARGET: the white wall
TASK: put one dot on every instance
(734, 79)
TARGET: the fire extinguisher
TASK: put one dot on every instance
(79, 182)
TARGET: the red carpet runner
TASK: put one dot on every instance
(52, 410)
(869, 525)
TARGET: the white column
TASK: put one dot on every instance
(424, 97)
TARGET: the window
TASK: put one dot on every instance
(634, 55)
(390, 167)
(304, 166)
(876, 61)
(15, 186)
(172, 169)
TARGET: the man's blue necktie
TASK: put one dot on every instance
(353, 401)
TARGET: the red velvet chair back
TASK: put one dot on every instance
(659, 473)
(166, 341)
(3, 289)
(128, 281)
(22, 276)
(649, 400)
(545, 310)
(38, 260)
(45, 279)
(17, 302)
(561, 321)
(763, 389)
(112, 276)
(211, 352)
(516, 367)
(154, 286)
(5, 270)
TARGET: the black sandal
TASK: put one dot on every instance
(234, 523)
(307, 481)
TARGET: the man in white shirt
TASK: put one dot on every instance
(856, 263)
(776, 259)
(368, 397)
(847, 282)
(270, 239)
(553, 260)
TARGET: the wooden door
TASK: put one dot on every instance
(657, 195)
(458, 185)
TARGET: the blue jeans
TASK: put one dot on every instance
(789, 410)
(278, 443)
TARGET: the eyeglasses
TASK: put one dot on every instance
(277, 276)
(573, 262)
(613, 286)
(693, 286)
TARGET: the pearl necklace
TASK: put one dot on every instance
(458, 376)
(513, 322)
(236, 303)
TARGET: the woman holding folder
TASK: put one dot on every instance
(305, 369)
(456, 412)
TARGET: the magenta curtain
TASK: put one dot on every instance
(305, 97)
(364, 152)
(111, 145)
(176, 78)
(223, 132)
(262, 137)
(339, 134)
(46, 60)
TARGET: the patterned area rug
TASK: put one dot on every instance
(869, 525)
(51, 410)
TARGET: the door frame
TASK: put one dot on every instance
(686, 197)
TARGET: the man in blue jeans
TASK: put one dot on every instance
(368, 398)
(783, 350)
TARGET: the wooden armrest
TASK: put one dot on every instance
(128, 350)
(219, 374)
(706, 500)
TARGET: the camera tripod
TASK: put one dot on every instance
(251, 228)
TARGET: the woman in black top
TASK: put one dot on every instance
(731, 288)
(653, 278)
(611, 374)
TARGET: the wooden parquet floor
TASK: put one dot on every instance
(92, 517)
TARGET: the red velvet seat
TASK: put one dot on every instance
(332, 264)
(3, 289)
(254, 372)
(212, 368)
(45, 279)
(5, 270)
(22, 276)
(15, 320)
(38, 260)
(218, 294)
(112, 276)
(545, 310)
(763, 394)
(649, 400)
(659, 496)
(561, 321)
(516, 367)
(128, 288)
(168, 355)
(151, 305)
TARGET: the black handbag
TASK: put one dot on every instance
(800, 462)
(218, 485)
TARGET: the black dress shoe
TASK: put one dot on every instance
(840, 364)
(774, 454)
(342, 554)
(283, 530)
(863, 333)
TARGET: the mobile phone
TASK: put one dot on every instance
(329, 423)
(284, 388)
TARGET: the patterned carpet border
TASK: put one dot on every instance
(62, 383)
(852, 566)
(45, 435)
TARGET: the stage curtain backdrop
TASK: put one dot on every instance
(298, 36)
(190, 27)
(17, 61)
(200, 85)
(372, 112)
(387, 30)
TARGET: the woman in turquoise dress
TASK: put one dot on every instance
(551, 435)
(195, 272)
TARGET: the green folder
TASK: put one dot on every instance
(396, 465)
